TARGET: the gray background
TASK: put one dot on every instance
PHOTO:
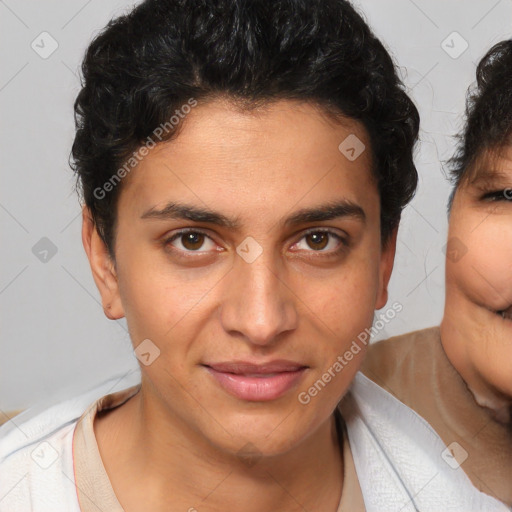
(55, 340)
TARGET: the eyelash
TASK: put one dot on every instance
(343, 242)
(499, 195)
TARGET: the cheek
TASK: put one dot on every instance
(343, 305)
(349, 304)
(157, 299)
(484, 272)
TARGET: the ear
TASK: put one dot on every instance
(387, 259)
(102, 266)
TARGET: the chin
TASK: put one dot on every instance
(267, 435)
(499, 410)
(258, 446)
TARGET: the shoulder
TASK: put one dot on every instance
(404, 344)
(44, 419)
(36, 463)
(400, 459)
(36, 454)
(9, 415)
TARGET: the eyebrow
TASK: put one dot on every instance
(329, 211)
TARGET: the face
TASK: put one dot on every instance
(478, 311)
(248, 252)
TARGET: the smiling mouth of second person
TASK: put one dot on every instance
(505, 313)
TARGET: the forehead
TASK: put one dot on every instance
(279, 155)
(492, 166)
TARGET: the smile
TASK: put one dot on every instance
(505, 313)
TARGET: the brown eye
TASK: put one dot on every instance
(319, 240)
(322, 241)
(190, 241)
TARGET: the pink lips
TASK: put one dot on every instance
(257, 382)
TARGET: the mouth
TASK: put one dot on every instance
(257, 382)
(505, 313)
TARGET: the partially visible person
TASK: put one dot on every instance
(458, 376)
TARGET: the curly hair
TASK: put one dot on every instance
(147, 63)
(488, 123)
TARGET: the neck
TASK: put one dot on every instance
(180, 470)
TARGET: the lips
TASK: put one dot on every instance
(244, 368)
(257, 382)
(506, 313)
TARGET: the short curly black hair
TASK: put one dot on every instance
(147, 63)
(488, 123)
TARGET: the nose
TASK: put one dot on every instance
(258, 305)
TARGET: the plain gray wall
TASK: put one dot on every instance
(55, 339)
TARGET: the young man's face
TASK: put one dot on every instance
(479, 273)
(272, 290)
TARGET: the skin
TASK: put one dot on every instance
(174, 445)
(477, 340)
